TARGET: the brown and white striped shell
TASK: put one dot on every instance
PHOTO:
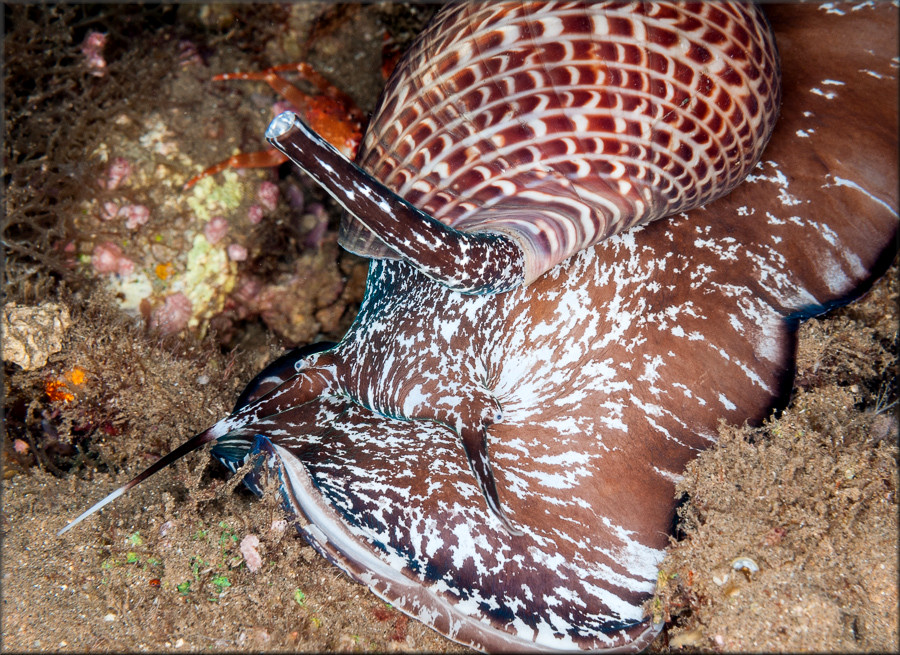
(560, 124)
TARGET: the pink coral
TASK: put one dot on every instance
(92, 49)
(107, 257)
(173, 315)
(237, 252)
(117, 174)
(215, 229)
(247, 291)
(135, 215)
(268, 195)
(108, 211)
(255, 214)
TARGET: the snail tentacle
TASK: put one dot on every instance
(171, 457)
(475, 263)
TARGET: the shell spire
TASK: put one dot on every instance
(559, 125)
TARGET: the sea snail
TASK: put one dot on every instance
(535, 130)
(514, 135)
(492, 447)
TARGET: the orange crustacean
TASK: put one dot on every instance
(332, 114)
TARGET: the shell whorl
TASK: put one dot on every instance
(560, 124)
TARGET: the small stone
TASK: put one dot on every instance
(745, 564)
(296, 198)
(686, 639)
(247, 291)
(32, 334)
(125, 266)
(110, 617)
(252, 559)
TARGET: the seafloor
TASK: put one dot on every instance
(101, 134)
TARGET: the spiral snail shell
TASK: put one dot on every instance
(544, 128)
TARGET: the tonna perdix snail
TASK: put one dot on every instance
(492, 448)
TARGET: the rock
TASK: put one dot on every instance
(32, 334)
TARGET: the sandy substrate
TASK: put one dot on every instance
(792, 528)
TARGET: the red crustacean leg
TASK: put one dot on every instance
(325, 87)
(333, 115)
(258, 159)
